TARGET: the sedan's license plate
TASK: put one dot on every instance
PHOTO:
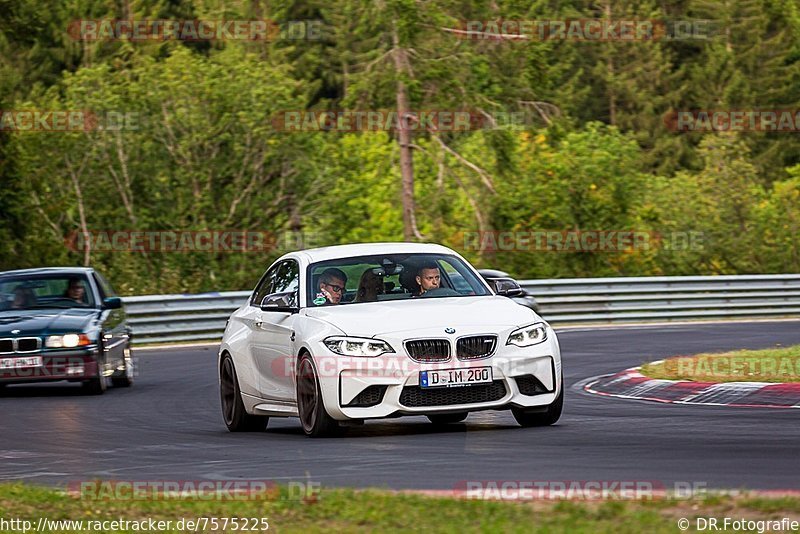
(455, 377)
(16, 363)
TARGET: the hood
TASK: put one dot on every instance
(377, 318)
(45, 321)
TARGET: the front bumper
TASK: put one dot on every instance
(388, 385)
(74, 365)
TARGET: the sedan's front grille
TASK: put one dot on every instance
(428, 350)
(21, 344)
(475, 347)
(28, 344)
(414, 396)
(371, 396)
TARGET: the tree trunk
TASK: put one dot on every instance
(404, 136)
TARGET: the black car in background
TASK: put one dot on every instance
(63, 323)
(526, 299)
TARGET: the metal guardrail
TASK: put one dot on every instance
(174, 318)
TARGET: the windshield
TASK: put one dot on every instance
(390, 277)
(26, 292)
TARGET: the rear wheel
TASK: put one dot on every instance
(233, 412)
(447, 418)
(310, 407)
(541, 417)
(125, 377)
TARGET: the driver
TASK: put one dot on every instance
(75, 290)
(428, 277)
(332, 284)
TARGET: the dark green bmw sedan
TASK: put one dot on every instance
(63, 323)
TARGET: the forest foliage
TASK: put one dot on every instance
(595, 152)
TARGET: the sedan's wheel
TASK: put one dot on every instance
(447, 418)
(96, 385)
(236, 418)
(541, 417)
(315, 420)
(125, 377)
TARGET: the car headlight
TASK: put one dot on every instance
(67, 341)
(533, 334)
(357, 346)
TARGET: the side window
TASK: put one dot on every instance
(100, 287)
(288, 279)
(105, 288)
(264, 287)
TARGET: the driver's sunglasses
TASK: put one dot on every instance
(337, 289)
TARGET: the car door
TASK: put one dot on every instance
(247, 368)
(114, 324)
(273, 337)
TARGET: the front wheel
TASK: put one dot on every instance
(543, 417)
(97, 384)
(236, 418)
(310, 407)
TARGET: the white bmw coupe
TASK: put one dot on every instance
(341, 334)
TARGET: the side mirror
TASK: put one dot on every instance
(112, 303)
(280, 302)
(507, 287)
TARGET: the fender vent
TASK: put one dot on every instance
(530, 385)
(371, 396)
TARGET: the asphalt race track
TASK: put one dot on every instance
(169, 427)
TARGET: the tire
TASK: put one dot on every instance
(96, 385)
(447, 418)
(125, 378)
(310, 407)
(541, 417)
(233, 412)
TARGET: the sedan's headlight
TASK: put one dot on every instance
(526, 336)
(357, 346)
(67, 341)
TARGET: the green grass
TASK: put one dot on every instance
(768, 365)
(341, 510)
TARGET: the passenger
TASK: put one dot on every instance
(428, 277)
(23, 298)
(369, 287)
(331, 286)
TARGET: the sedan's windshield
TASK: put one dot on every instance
(390, 277)
(26, 292)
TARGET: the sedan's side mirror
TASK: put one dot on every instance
(280, 302)
(507, 287)
(112, 303)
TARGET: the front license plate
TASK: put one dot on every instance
(455, 377)
(16, 363)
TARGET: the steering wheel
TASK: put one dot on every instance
(441, 292)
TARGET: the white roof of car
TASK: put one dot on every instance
(368, 249)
